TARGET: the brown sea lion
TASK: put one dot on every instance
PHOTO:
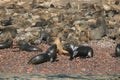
(59, 46)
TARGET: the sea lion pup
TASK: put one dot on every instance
(52, 52)
(70, 47)
(6, 44)
(23, 45)
(38, 59)
(59, 46)
(117, 50)
(83, 51)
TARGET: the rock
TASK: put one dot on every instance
(100, 29)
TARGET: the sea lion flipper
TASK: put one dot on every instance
(51, 60)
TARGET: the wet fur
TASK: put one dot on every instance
(70, 48)
(52, 52)
(38, 59)
(82, 51)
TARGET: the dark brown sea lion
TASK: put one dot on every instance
(49, 55)
(83, 51)
(23, 45)
(38, 59)
(52, 52)
(70, 47)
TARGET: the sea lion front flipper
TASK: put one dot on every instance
(75, 53)
(51, 60)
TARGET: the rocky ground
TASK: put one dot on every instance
(83, 22)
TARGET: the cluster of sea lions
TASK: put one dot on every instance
(60, 27)
(73, 51)
(50, 54)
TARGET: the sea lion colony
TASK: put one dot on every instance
(61, 27)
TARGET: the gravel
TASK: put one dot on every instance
(103, 61)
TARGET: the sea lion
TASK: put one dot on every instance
(70, 48)
(117, 50)
(52, 52)
(98, 30)
(23, 45)
(59, 46)
(49, 55)
(38, 59)
(6, 44)
(83, 51)
(44, 36)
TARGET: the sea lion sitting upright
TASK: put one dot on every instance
(49, 55)
(52, 52)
